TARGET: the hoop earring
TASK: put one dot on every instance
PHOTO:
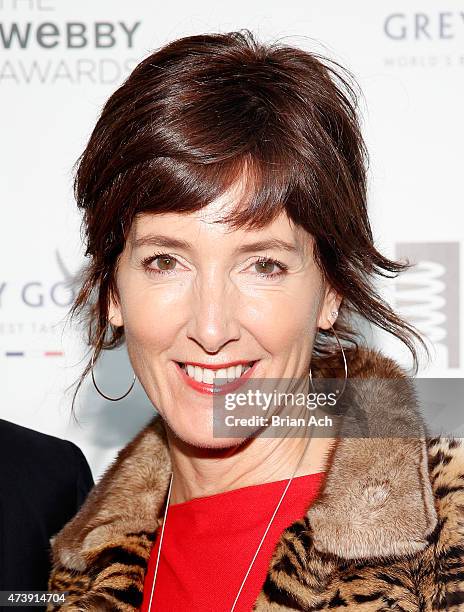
(113, 399)
(334, 316)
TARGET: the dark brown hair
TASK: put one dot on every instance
(204, 110)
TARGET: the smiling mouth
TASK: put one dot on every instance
(209, 375)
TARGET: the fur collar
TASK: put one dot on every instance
(376, 499)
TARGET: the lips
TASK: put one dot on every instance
(204, 378)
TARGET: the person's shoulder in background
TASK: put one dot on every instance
(43, 482)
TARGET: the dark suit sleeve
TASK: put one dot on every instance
(44, 481)
(84, 478)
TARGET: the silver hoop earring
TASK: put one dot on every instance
(113, 399)
(334, 316)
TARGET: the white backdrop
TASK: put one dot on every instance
(59, 62)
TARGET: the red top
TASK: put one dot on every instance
(209, 542)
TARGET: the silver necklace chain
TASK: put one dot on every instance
(257, 550)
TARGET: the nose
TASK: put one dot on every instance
(214, 308)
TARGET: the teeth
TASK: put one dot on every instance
(208, 376)
(222, 373)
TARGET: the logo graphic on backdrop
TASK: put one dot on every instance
(37, 46)
(427, 295)
(424, 39)
(32, 313)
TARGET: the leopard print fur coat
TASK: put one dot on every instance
(385, 533)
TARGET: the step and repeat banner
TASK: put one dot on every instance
(59, 62)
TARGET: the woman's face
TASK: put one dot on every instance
(216, 296)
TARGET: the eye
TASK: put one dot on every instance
(270, 268)
(164, 263)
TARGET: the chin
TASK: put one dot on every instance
(200, 436)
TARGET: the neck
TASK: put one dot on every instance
(199, 472)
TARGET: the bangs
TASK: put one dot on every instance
(181, 133)
(262, 188)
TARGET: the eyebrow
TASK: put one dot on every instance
(161, 240)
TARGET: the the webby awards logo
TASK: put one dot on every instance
(40, 46)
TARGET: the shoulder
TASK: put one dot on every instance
(446, 471)
(434, 573)
(439, 568)
(37, 455)
(12, 434)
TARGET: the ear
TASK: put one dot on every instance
(115, 313)
(330, 303)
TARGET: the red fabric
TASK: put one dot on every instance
(209, 542)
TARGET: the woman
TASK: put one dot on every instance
(224, 199)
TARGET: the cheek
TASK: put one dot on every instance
(282, 319)
(152, 316)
